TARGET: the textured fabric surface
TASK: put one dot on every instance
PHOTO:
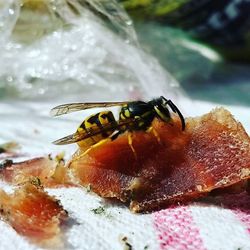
(221, 223)
(177, 230)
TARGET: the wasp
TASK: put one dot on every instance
(133, 115)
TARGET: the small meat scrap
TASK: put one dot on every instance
(9, 149)
(34, 214)
(51, 173)
(168, 165)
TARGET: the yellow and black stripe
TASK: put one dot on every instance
(94, 122)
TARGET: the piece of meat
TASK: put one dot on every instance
(51, 173)
(9, 149)
(174, 166)
(34, 214)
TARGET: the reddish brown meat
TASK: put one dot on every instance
(33, 213)
(213, 152)
(50, 172)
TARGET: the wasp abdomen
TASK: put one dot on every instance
(93, 122)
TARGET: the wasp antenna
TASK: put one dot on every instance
(176, 110)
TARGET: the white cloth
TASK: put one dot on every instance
(197, 226)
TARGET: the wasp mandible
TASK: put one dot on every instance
(133, 115)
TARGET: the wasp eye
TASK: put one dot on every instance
(163, 100)
(162, 112)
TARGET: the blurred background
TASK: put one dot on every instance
(174, 30)
(126, 47)
(57, 51)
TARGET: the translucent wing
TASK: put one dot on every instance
(78, 136)
(73, 107)
(70, 139)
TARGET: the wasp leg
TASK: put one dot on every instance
(115, 135)
(155, 133)
(101, 142)
(80, 154)
(130, 143)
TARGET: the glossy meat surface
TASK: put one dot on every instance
(169, 165)
(50, 173)
(34, 214)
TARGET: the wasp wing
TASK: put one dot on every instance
(78, 136)
(73, 107)
(69, 139)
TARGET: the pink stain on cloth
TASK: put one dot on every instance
(240, 206)
(244, 218)
(176, 227)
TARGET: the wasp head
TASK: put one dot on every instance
(161, 106)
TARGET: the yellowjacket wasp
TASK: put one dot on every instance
(134, 115)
